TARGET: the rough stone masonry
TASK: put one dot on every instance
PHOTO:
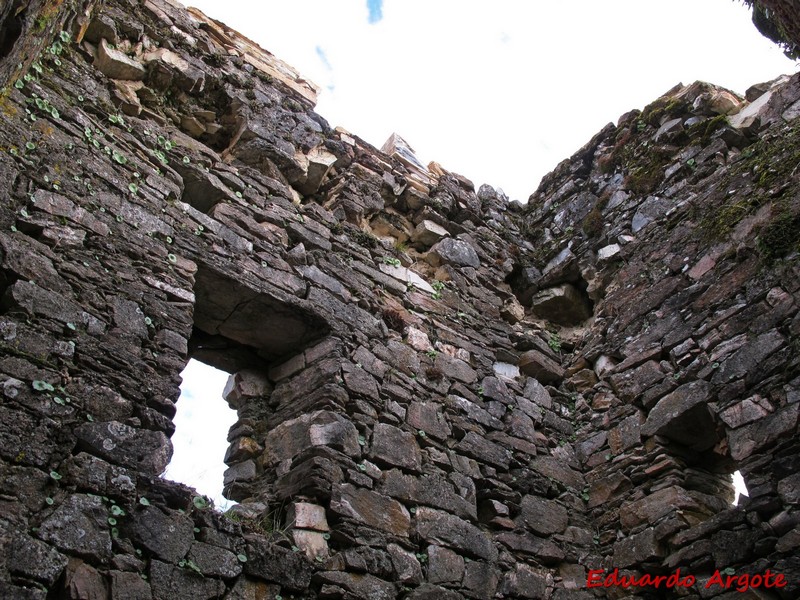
(441, 394)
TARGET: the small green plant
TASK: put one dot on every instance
(188, 564)
(42, 386)
(554, 341)
(388, 260)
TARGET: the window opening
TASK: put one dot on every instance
(739, 486)
(202, 421)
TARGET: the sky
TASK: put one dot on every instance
(201, 430)
(501, 91)
(497, 91)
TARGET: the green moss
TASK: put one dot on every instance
(770, 165)
(645, 177)
(664, 106)
(364, 238)
(592, 224)
(780, 237)
(704, 130)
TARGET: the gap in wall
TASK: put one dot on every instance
(202, 421)
(739, 486)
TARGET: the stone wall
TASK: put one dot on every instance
(440, 393)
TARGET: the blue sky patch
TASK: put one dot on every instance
(323, 57)
(375, 10)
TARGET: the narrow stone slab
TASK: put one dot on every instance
(371, 509)
(442, 528)
(114, 64)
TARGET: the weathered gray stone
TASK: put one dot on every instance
(541, 516)
(21, 592)
(361, 383)
(656, 505)
(129, 586)
(512, 311)
(545, 551)
(524, 582)
(35, 560)
(424, 416)
(631, 383)
(169, 581)
(684, 416)
(241, 472)
(636, 548)
(429, 591)
(442, 528)
(407, 568)
(245, 385)
(474, 412)
(747, 359)
(371, 509)
(454, 252)
(650, 210)
(444, 565)
(536, 393)
(432, 490)
(147, 451)
(789, 489)
(535, 364)
(79, 526)
(116, 65)
(320, 428)
(148, 529)
(483, 450)
(746, 411)
(395, 447)
(455, 368)
(274, 563)
(480, 579)
(495, 389)
(427, 233)
(745, 440)
(213, 561)
(550, 466)
(362, 586)
(562, 304)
